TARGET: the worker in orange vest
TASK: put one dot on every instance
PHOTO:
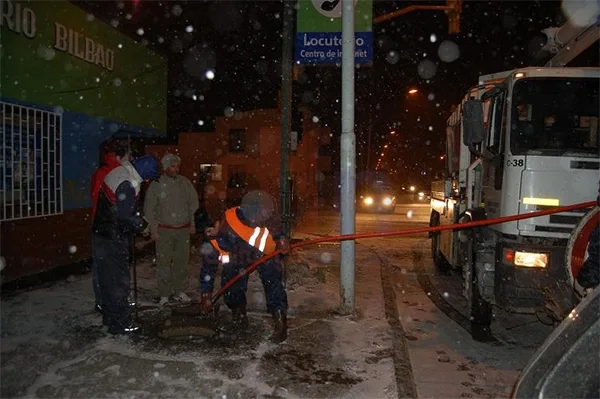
(245, 234)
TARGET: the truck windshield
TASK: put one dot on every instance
(555, 116)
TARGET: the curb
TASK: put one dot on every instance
(405, 381)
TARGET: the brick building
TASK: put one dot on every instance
(243, 153)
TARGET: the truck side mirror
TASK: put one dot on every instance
(472, 122)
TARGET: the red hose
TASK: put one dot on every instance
(346, 237)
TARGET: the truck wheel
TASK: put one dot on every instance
(479, 310)
(436, 255)
(480, 315)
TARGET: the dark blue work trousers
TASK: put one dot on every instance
(96, 273)
(270, 272)
(113, 269)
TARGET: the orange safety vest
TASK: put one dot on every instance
(258, 237)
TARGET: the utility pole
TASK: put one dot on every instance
(286, 112)
(370, 127)
(348, 160)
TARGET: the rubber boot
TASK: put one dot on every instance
(239, 318)
(205, 303)
(279, 326)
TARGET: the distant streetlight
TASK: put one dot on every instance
(385, 146)
(393, 132)
(413, 91)
(412, 188)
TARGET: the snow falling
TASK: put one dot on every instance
(211, 72)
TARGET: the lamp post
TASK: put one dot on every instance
(286, 112)
(348, 161)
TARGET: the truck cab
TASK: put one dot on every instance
(521, 141)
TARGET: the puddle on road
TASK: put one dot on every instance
(310, 370)
(305, 367)
(226, 340)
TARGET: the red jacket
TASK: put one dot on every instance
(109, 162)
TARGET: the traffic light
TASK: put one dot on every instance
(454, 10)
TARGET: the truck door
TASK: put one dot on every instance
(493, 167)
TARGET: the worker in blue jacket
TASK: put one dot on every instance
(115, 222)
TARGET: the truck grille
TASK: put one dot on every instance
(564, 222)
(590, 165)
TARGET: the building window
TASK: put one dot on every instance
(237, 140)
(210, 172)
(30, 162)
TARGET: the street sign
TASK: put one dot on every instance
(319, 32)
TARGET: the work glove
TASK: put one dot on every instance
(212, 231)
(284, 245)
(146, 231)
(205, 303)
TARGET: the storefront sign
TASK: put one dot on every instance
(22, 20)
(82, 47)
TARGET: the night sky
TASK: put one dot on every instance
(241, 42)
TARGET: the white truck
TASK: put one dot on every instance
(520, 141)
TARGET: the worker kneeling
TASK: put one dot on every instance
(244, 235)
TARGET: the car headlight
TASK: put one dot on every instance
(368, 201)
(421, 194)
(387, 201)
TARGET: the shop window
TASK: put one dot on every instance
(30, 162)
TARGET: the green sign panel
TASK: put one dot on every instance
(54, 53)
(319, 31)
(325, 16)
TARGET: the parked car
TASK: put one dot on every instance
(567, 365)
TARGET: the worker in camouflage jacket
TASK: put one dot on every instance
(169, 208)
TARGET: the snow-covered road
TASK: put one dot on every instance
(445, 360)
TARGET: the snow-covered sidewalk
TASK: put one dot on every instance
(53, 343)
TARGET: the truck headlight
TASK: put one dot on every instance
(531, 259)
(526, 259)
(387, 201)
(368, 201)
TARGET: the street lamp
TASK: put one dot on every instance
(413, 91)
(393, 132)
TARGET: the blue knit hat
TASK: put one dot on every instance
(257, 206)
(147, 167)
